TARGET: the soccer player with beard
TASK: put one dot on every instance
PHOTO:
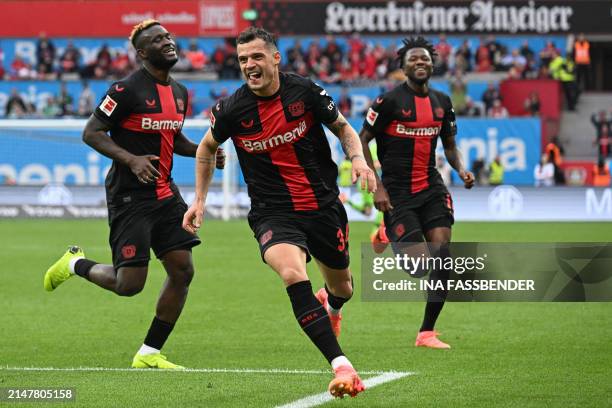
(275, 121)
(144, 114)
(406, 123)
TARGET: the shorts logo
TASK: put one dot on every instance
(296, 108)
(128, 251)
(266, 237)
(371, 116)
(108, 105)
(439, 113)
(400, 230)
(150, 103)
(180, 105)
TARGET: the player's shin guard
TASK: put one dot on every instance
(436, 298)
(313, 319)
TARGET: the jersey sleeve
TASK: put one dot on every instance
(323, 104)
(115, 106)
(220, 123)
(379, 115)
(449, 123)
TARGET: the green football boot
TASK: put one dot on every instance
(156, 360)
(60, 272)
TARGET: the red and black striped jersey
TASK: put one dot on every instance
(144, 115)
(407, 126)
(281, 144)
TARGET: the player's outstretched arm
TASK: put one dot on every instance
(205, 166)
(185, 147)
(96, 136)
(454, 158)
(352, 148)
(382, 202)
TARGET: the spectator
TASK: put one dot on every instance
(496, 172)
(582, 56)
(15, 105)
(21, 69)
(86, 101)
(458, 88)
(563, 69)
(514, 59)
(484, 62)
(70, 59)
(496, 51)
(498, 110)
(345, 104)
(183, 64)
(490, 95)
(603, 129)
(64, 101)
(45, 55)
(601, 174)
(121, 65)
(444, 51)
(532, 104)
(333, 52)
(544, 173)
(471, 109)
(197, 58)
(554, 152)
(51, 109)
(548, 53)
(463, 57)
(445, 170)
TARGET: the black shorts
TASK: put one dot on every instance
(138, 226)
(322, 234)
(407, 222)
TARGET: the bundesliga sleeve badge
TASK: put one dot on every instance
(108, 105)
(371, 116)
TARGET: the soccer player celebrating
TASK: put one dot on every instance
(275, 121)
(144, 114)
(406, 122)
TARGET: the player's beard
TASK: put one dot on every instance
(161, 62)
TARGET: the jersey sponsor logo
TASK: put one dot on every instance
(180, 105)
(439, 113)
(150, 124)
(296, 108)
(371, 116)
(108, 105)
(128, 251)
(119, 88)
(150, 103)
(421, 131)
(247, 124)
(276, 140)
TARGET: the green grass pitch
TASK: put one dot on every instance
(238, 316)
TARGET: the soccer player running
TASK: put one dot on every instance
(144, 114)
(275, 122)
(406, 122)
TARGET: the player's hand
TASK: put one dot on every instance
(144, 170)
(363, 171)
(220, 158)
(382, 202)
(468, 178)
(192, 220)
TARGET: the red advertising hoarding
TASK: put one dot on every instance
(96, 18)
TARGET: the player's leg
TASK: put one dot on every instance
(289, 262)
(172, 245)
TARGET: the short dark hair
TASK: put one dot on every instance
(418, 42)
(253, 33)
(139, 28)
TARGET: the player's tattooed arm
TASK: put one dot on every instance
(455, 159)
(352, 149)
(96, 136)
(205, 166)
(185, 147)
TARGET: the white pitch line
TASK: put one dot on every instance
(199, 370)
(322, 398)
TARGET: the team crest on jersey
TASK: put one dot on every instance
(128, 251)
(296, 108)
(371, 116)
(180, 105)
(108, 105)
(439, 113)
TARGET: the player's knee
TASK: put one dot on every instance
(128, 289)
(291, 275)
(343, 289)
(182, 275)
